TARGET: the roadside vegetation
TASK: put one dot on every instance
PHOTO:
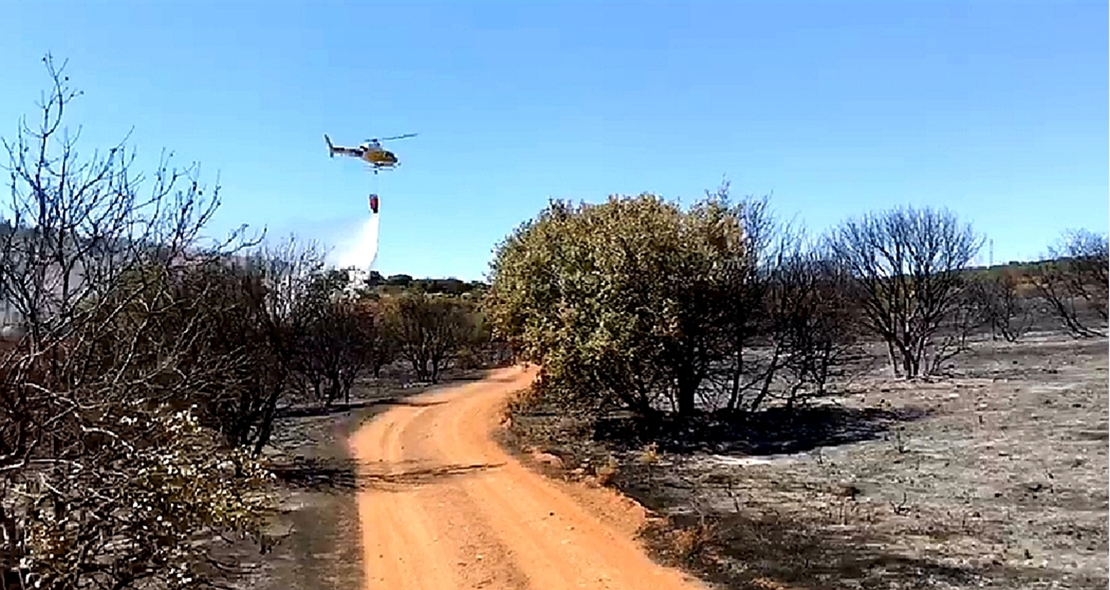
(146, 371)
(859, 408)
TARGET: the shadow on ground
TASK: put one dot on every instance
(772, 431)
(342, 474)
(317, 410)
(816, 554)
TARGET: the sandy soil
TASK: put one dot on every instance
(442, 506)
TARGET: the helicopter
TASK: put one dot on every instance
(370, 152)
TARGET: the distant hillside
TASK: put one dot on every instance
(1021, 271)
(453, 286)
(449, 286)
(1014, 266)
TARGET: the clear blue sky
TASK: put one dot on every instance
(995, 109)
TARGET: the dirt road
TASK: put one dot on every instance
(444, 507)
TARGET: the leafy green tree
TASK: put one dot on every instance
(622, 303)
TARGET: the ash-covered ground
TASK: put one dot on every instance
(993, 477)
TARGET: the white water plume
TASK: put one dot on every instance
(363, 250)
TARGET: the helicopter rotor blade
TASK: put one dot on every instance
(405, 136)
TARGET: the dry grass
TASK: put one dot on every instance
(607, 472)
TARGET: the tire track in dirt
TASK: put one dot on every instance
(458, 512)
(399, 526)
(481, 560)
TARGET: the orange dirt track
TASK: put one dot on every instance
(442, 506)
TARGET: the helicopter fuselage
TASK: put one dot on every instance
(372, 153)
(379, 156)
